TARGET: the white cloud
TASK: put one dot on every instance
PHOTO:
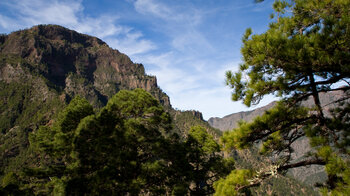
(171, 77)
(102, 27)
(132, 44)
(70, 14)
(47, 12)
(191, 41)
(154, 8)
(183, 15)
(8, 23)
(200, 89)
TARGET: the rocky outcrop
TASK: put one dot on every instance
(75, 64)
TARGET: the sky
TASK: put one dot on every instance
(187, 44)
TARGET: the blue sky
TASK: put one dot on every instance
(187, 44)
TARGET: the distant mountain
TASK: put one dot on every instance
(230, 121)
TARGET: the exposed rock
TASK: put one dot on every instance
(76, 63)
(197, 114)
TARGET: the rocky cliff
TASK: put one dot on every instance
(73, 64)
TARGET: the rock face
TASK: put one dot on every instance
(73, 63)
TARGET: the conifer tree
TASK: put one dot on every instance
(206, 163)
(124, 149)
(119, 150)
(304, 52)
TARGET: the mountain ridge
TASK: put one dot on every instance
(82, 56)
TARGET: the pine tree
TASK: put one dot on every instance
(304, 52)
(126, 148)
(119, 150)
(207, 164)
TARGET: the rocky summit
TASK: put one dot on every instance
(72, 64)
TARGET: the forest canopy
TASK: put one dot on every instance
(127, 147)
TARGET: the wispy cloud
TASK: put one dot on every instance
(175, 80)
(8, 23)
(102, 26)
(70, 14)
(188, 71)
(154, 8)
(178, 13)
(132, 43)
(38, 11)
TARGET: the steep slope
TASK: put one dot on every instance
(73, 63)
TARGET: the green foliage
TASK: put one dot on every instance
(125, 148)
(277, 123)
(276, 185)
(303, 53)
(185, 120)
(233, 182)
(112, 151)
(207, 165)
(199, 136)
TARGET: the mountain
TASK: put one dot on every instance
(230, 121)
(44, 67)
(72, 64)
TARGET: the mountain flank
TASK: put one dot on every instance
(46, 66)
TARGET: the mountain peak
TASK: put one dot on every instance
(75, 63)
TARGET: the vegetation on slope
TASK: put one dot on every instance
(122, 149)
